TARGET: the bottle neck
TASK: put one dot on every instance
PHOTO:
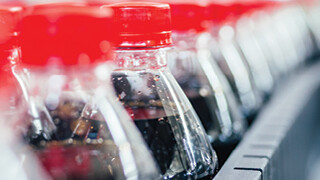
(140, 59)
(54, 79)
(191, 41)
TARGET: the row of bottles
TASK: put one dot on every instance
(140, 90)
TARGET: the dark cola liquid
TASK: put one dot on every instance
(159, 137)
(205, 106)
(162, 136)
(77, 148)
(207, 117)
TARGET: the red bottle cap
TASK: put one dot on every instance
(231, 10)
(65, 34)
(141, 24)
(220, 12)
(104, 2)
(247, 6)
(12, 2)
(189, 16)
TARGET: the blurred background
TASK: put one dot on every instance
(160, 89)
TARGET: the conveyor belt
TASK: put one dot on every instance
(278, 144)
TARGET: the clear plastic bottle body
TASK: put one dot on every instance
(254, 55)
(76, 128)
(162, 112)
(299, 19)
(313, 13)
(274, 40)
(287, 44)
(286, 20)
(231, 61)
(270, 43)
(17, 161)
(197, 73)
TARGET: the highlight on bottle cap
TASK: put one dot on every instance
(141, 24)
(65, 34)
